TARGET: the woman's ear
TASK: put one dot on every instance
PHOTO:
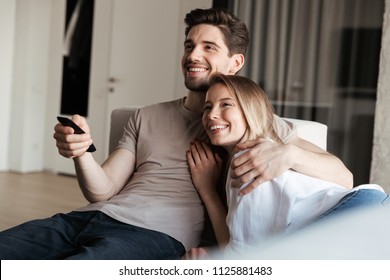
(237, 61)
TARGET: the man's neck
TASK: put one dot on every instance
(195, 101)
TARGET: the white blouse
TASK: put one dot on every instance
(279, 206)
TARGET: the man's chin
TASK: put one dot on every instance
(202, 87)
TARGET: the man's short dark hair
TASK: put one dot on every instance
(235, 32)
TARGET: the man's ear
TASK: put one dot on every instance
(237, 61)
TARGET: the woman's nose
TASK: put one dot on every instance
(214, 114)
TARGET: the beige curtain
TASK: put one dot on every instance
(318, 60)
(289, 41)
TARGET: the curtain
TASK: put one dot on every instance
(289, 41)
(318, 60)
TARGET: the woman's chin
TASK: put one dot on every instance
(224, 144)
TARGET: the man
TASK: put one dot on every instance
(143, 203)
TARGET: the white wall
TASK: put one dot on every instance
(7, 31)
(55, 58)
(29, 88)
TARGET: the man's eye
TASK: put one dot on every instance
(210, 47)
(188, 47)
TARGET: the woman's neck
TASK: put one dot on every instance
(232, 149)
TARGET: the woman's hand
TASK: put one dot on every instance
(205, 167)
(196, 254)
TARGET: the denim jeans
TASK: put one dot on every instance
(86, 235)
(356, 200)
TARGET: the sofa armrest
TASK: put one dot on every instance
(119, 119)
(311, 131)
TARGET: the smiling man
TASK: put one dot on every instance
(205, 53)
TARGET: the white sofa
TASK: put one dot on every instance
(311, 131)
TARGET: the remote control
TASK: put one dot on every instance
(77, 130)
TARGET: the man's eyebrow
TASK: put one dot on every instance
(212, 43)
(189, 41)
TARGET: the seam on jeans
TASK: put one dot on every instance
(86, 228)
(386, 200)
(342, 201)
(345, 199)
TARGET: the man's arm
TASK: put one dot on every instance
(100, 183)
(96, 182)
(267, 160)
(314, 161)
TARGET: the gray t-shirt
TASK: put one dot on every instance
(160, 195)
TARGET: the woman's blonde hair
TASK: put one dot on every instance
(254, 104)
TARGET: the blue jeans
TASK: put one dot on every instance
(86, 235)
(357, 200)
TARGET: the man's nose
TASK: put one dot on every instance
(195, 54)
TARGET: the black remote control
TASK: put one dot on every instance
(77, 130)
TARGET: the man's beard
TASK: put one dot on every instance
(202, 86)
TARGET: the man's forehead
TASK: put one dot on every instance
(206, 33)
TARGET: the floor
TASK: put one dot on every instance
(24, 197)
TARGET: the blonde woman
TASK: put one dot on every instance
(236, 110)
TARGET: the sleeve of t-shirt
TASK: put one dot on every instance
(284, 129)
(130, 133)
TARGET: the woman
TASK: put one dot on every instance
(236, 110)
